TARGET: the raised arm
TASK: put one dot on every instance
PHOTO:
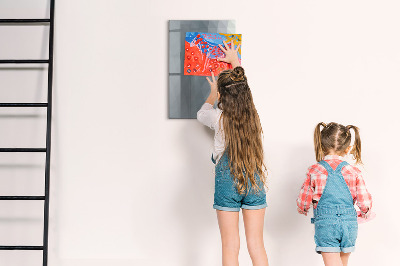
(207, 115)
(214, 90)
(231, 54)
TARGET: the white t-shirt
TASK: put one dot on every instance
(210, 116)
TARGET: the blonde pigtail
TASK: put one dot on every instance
(319, 153)
(356, 151)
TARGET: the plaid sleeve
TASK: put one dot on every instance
(305, 197)
(364, 199)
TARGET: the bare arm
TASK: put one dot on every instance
(231, 54)
(231, 57)
(214, 90)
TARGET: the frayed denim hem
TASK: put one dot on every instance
(217, 207)
(257, 207)
(327, 249)
(348, 249)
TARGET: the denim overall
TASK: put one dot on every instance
(335, 218)
(226, 195)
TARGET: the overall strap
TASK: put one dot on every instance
(212, 159)
(326, 166)
(336, 197)
(340, 166)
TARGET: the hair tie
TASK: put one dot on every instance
(234, 84)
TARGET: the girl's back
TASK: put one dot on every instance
(238, 155)
(332, 187)
(315, 182)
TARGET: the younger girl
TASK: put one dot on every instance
(238, 154)
(333, 186)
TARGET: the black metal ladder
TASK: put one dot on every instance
(47, 105)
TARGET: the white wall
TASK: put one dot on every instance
(130, 187)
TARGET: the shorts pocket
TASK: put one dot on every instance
(225, 191)
(326, 232)
(352, 228)
(224, 182)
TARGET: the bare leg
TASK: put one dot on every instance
(332, 259)
(229, 228)
(254, 227)
(345, 258)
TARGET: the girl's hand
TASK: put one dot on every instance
(301, 211)
(214, 90)
(231, 54)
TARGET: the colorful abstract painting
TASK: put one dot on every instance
(187, 93)
(202, 51)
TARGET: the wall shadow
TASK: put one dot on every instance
(193, 204)
(283, 223)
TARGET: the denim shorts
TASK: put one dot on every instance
(335, 233)
(226, 195)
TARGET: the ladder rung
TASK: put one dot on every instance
(34, 20)
(21, 247)
(22, 149)
(24, 61)
(23, 104)
(22, 197)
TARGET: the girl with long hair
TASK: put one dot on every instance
(240, 172)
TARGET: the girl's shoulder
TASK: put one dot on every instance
(316, 168)
(351, 169)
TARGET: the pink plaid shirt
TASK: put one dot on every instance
(314, 185)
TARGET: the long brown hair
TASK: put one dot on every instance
(242, 129)
(336, 137)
